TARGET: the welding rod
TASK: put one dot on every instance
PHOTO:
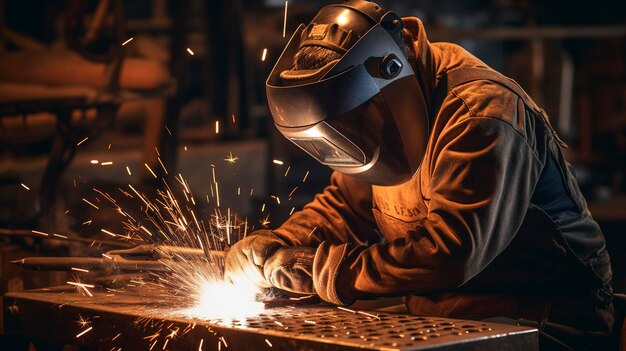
(89, 263)
(149, 257)
(29, 233)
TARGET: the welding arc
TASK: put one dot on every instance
(28, 233)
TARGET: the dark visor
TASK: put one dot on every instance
(350, 83)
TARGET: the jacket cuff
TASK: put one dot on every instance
(326, 265)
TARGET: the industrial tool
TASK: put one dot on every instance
(142, 258)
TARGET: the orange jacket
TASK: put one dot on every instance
(493, 221)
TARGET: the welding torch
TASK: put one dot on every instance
(148, 258)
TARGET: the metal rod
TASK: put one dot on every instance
(30, 233)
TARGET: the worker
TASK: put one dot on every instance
(449, 186)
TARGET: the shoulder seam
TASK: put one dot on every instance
(535, 155)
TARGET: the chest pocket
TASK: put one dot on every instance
(398, 209)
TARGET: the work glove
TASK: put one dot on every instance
(244, 261)
(291, 269)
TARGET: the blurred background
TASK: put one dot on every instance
(97, 95)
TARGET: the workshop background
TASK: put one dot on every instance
(102, 94)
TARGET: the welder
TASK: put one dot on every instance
(449, 186)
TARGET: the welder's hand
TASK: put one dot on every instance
(244, 261)
(291, 269)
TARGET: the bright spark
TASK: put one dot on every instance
(108, 163)
(128, 171)
(151, 171)
(285, 21)
(190, 52)
(40, 233)
(217, 127)
(81, 285)
(162, 165)
(79, 269)
(83, 322)
(127, 41)
(218, 299)
(230, 158)
(266, 221)
(24, 186)
(92, 205)
(278, 162)
(84, 332)
(346, 309)
(82, 141)
(109, 233)
(264, 54)
(94, 162)
(268, 342)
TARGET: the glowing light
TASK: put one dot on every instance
(128, 171)
(278, 162)
(151, 171)
(217, 127)
(40, 233)
(346, 309)
(162, 165)
(264, 54)
(108, 163)
(127, 41)
(218, 299)
(109, 233)
(24, 186)
(285, 21)
(190, 52)
(92, 205)
(342, 19)
(94, 162)
(82, 141)
(230, 158)
(84, 332)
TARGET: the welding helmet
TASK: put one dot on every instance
(364, 114)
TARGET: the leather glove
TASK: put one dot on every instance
(291, 269)
(244, 262)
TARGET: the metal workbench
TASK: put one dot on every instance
(128, 320)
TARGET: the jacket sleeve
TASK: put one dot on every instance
(342, 213)
(482, 179)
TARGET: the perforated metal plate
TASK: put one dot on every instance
(386, 330)
(124, 321)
